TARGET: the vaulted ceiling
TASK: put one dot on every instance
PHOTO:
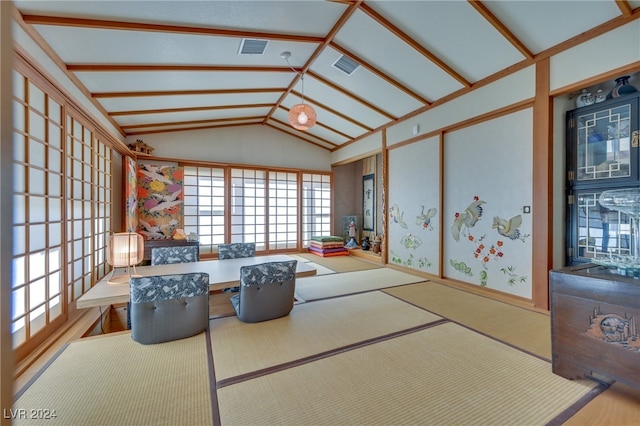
(163, 66)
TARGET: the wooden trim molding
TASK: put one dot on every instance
(542, 190)
(385, 195)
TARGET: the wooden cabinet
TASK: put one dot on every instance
(602, 153)
(595, 324)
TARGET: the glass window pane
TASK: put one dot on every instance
(604, 148)
(19, 304)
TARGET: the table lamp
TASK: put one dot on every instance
(124, 249)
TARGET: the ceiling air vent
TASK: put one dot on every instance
(346, 65)
(250, 46)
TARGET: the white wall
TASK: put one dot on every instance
(363, 148)
(256, 145)
(612, 50)
(514, 88)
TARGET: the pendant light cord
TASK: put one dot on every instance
(285, 56)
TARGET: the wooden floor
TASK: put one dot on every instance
(219, 304)
(617, 406)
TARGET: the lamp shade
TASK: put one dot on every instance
(125, 249)
(302, 116)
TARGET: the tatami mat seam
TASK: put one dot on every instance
(363, 292)
(215, 406)
(471, 328)
(325, 354)
(570, 411)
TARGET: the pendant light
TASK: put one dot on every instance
(301, 116)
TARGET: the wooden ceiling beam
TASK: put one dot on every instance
(625, 8)
(102, 95)
(137, 67)
(183, 129)
(189, 122)
(161, 28)
(502, 29)
(188, 109)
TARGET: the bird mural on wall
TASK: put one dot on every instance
(509, 228)
(467, 219)
(424, 219)
(397, 216)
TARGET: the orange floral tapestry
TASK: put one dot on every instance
(160, 200)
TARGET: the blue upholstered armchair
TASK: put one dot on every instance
(181, 254)
(266, 291)
(169, 307)
(236, 250)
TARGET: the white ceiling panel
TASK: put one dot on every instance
(181, 80)
(138, 119)
(455, 33)
(291, 17)
(218, 123)
(403, 63)
(367, 86)
(543, 24)
(186, 101)
(100, 46)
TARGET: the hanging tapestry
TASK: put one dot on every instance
(160, 200)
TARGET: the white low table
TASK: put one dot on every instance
(222, 274)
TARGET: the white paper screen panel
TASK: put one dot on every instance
(487, 181)
(413, 206)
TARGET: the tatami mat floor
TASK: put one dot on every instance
(299, 361)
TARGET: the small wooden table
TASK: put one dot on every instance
(222, 274)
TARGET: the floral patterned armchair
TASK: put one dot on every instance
(236, 250)
(266, 291)
(169, 307)
(180, 254)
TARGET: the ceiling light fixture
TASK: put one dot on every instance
(301, 116)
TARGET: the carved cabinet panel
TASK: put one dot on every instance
(595, 324)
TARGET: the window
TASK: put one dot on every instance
(283, 210)
(316, 206)
(62, 207)
(248, 207)
(204, 206)
(37, 213)
(227, 204)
